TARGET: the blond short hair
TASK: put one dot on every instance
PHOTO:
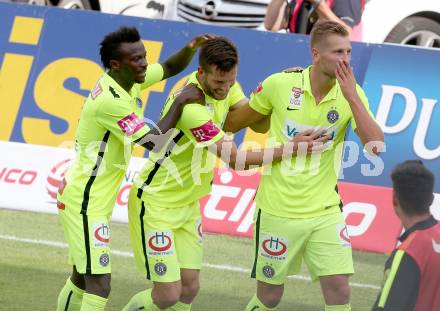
(324, 28)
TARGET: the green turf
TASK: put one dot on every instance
(31, 275)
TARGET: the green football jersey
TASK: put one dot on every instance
(302, 186)
(182, 171)
(110, 121)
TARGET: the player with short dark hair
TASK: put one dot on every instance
(111, 121)
(164, 211)
(412, 273)
(298, 212)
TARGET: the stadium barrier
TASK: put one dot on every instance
(49, 62)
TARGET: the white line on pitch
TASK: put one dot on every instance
(129, 254)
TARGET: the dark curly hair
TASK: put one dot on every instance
(110, 45)
(219, 52)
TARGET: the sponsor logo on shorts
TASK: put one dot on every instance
(268, 271)
(274, 247)
(160, 243)
(104, 260)
(101, 234)
(344, 238)
(160, 268)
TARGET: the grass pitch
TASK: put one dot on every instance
(33, 268)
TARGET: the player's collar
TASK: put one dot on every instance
(116, 89)
(331, 95)
(425, 224)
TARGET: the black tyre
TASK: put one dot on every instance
(75, 4)
(416, 30)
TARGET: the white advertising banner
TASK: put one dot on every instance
(30, 176)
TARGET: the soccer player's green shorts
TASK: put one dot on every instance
(165, 240)
(88, 238)
(282, 243)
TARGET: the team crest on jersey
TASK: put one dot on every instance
(138, 102)
(210, 107)
(273, 247)
(96, 91)
(160, 243)
(332, 116)
(101, 234)
(344, 238)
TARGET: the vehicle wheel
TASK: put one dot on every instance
(416, 30)
(74, 4)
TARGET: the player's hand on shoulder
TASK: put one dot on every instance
(190, 93)
(293, 69)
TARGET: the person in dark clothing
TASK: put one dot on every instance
(412, 273)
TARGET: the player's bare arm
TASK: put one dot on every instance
(245, 116)
(367, 129)
(158, 136)
(305, 143)
(178, 61)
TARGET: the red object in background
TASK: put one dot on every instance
(372, 224)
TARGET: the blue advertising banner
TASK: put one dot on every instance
(50, 60)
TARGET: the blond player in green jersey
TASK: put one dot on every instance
(297, 205)
(164, 211)
(111, 122)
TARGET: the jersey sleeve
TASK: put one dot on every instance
(121, 121)
(364, 100)
(154, 74)
(235, 94)
(197, 124)
(349, 11)
(260, 99)
(401, 284)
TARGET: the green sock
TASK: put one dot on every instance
(346, 307)
(142, 299)
(70, 297)
(93, 302)
(180, 306)
(256, 305)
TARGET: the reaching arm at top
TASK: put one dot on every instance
(178, 61)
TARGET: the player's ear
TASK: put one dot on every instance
(200, 70)
(315, 52)
(115, 64)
